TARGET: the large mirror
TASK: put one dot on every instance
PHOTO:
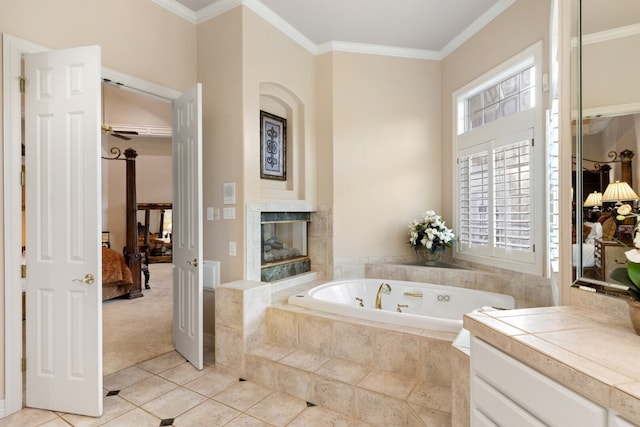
(606, 128)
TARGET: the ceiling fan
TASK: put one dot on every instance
(122, 134)
(108, 129)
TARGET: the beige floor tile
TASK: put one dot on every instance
(245, 420)
(277, 409)
(182, 374)
(28, 417)
(394, 385)
(57, 422)
(147, 390)
(432, 396)
(135, 418)
(163, 363)
(304, 360)
(320, 417)
(212, 382)
(125, 378)
(174, 403)
(343, 370)
(430, 417)
(208, 413)
(113, 407)
(242, 395)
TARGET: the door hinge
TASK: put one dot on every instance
(534, 248)
(23, 84)
(533, 142)
(23, 271)
(24, 364)
(22, 178)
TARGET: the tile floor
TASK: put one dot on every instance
(168, 391)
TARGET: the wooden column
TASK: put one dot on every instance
(625, 169)
(133, 257)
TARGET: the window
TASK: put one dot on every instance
(496, 214)
(514, 93)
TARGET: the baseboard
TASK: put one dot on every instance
(3, 411)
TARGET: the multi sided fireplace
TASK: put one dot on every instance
(284, 251)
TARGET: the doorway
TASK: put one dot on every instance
(13, 50)
(135, 330)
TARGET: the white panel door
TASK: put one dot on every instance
(64, 296)
(187, 225)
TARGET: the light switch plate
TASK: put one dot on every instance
(229, 213)
(232, 248)
(209, 214)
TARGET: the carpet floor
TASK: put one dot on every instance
(136, 330)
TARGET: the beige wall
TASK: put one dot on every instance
(220, 71)
(517, 28)
(239, 55)
(386, 151)
(609, 73)
(138, 38)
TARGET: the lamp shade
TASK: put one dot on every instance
(593, 199)
(618, 191)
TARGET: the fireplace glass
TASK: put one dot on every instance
(284, 244)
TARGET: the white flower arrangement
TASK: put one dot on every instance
(430, 232)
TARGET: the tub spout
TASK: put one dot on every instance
(383, 289)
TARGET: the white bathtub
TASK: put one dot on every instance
(428, 306)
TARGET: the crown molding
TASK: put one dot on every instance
(215, 9)
(476, 26)
(180, 10)
(282, 25)
(612, 34)
(271, 17)
(378, 50)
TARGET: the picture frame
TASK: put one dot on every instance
(273, 147)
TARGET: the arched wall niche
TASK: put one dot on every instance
(281, 101)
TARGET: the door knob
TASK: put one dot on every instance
(88, 279)
(193, 263)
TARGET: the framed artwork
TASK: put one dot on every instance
(273, 147)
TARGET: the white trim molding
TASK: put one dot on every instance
(222, 6)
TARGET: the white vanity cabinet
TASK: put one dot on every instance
(616, 420)
(505, 392)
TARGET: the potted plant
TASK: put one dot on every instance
(429, 237)
(630, 275)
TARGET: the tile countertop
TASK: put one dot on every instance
(590, 353)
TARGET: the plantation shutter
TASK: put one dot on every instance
(512, 196)
(474, 199)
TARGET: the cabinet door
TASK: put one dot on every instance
(534, 394)
(499, 410)
(616, 420)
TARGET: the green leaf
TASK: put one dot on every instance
(620, 275)
(633, 270)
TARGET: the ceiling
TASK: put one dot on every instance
(426, 25)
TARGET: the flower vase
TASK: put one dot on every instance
(634, 314)
(428, 256)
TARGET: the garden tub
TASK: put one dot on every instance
(420, 305)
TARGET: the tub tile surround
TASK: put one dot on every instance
(375, 373)
(527, 290)
(588, 352)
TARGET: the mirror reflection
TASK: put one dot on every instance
(607, 133)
